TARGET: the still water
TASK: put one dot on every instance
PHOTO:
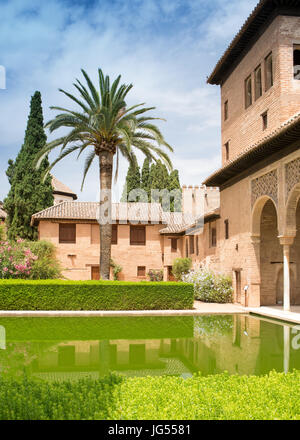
(72, 348)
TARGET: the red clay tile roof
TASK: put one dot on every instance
(122, 212)
(286, 134)
(264, 12)
(61, 188)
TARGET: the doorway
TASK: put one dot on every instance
(238, 286)
(95, 273)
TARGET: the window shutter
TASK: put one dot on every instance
(67, 232)
(138, 235)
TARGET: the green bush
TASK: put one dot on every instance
(46, 266)
(218, 397)
(181, 266)
(116, 268)
(2, 232)
(209, 286)
(94, 295)
(37, 400)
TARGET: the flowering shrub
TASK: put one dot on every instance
(210, 286)
(156, 275)
(15, 261)
(28, 260)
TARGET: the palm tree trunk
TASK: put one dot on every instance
(106, 166)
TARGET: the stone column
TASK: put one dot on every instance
(286, 242)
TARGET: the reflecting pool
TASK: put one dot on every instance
(72, 348)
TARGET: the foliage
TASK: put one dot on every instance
(156, 178)
(181, 266)
(104, 127)
(2, 232)
(28, 193)
(28, 260)
(94, 295)
(133, 181)
(156, 275)
(210, 286)
(38, 400)
(46, 266)
(218, 397)
(16, 261)
(116, 269)
(174, 185)
(145, 177)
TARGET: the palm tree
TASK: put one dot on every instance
(105, 127)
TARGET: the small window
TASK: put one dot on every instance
(114, 237)
(225, 110)
(186, 248)
(141, 271)
(192, 244)
(269, 71)
(197, 245)
(67, 233)
(138, 235)
(264, 117)
(213, 234)
(226, 229)
(248, 92)
(297, 61)
(258, 82)
(226, 151)
(174, 244)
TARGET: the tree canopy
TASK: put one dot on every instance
(28, 192)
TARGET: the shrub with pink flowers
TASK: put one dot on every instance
(16, 261)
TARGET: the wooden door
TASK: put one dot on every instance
(95, 273)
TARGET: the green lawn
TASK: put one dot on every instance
(217, 397)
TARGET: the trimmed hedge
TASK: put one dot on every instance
(94, 295)
(218, 397)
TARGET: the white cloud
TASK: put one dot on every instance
(166, 48)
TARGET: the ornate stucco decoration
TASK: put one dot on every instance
(266, 185)
(292, 176)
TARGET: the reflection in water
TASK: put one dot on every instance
(72, 348)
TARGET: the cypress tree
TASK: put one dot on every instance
(28, 193)
(174, 184)
(133, 180)
(145, 180)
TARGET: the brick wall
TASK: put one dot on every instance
(244, 127)
(78, 258)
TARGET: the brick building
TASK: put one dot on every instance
(251, 205)
(144, 237)
(257, 237)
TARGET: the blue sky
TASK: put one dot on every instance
(166, 48)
